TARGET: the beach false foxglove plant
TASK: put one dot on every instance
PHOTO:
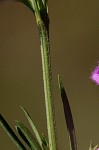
(38, 141)
(40, 11)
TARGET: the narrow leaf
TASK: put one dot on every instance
(37, 135)
(44, 2)
(11, 134)
(27, 136)
(96, 147)
(44, 142)
(27, 3)
(32, 5)
(22, 136)
(68, 116)
(91, 147)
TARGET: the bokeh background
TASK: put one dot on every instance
(74, 53)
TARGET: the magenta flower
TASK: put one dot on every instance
(95, 75)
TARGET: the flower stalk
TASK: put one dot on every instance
(42, 19)
(47, 79)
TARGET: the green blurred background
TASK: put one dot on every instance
(74, 53)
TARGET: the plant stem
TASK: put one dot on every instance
(40, 10)
(47, 79)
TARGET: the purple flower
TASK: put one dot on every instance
(95, 75)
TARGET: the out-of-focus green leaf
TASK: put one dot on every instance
(68, 116)
(37, 135)
(95, 148)
(11, 134)
(27, 136)
(91, 147)
(45, 2)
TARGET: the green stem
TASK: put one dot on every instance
(47, 79)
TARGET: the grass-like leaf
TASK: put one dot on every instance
(11, 134)
(44, 142)
(96, 147)
(27, 3)
(27, 136)
(41, 140)
(68, 116)
(32, 5)
(39, 9)
(22, 136)
(91, 147)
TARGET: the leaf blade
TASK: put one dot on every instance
(68, 116)
(37, 135)
(91, 147)
(11, 134)
(27, 136)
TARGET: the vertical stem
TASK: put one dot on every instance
(47, 79)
